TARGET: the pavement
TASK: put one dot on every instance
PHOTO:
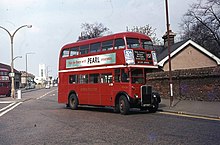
(183, 107)
(193, 108)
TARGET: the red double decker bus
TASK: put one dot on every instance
(108, 71)
(5, 83)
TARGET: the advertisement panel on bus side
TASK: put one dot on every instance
(91, 60)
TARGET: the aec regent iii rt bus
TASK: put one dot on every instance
(108, 71)
(5, 83)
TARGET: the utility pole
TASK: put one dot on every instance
(170, 70)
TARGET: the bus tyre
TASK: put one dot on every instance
(73, 102)
(124, 105)
(116, 108)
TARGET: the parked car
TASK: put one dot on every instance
(47, 86)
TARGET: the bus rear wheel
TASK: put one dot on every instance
(73, 102)
(124, 105)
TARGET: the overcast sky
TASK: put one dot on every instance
(58, 22)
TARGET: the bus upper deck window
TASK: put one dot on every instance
(95, 47)
(107, 45)
(65, 53)
(133, 43)
(119, 43)
(74, 51)
(84, 49)
(146, 44)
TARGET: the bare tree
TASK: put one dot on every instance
(92, 30)
(202, 24)
(147, 30)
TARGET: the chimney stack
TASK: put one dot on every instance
(165, 38)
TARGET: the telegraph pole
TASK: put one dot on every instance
(168, 45)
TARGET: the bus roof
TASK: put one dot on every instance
(108, 37)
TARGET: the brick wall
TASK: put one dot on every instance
(193, 84)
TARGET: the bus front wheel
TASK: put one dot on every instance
(8, 94)
(124, 105)
(73, 102)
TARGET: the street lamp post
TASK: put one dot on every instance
(26, 57)
(12, 60)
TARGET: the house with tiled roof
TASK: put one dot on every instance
(184, 55)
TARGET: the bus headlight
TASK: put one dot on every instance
(135, 96)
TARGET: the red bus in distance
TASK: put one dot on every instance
(5, 83)
(108, 71)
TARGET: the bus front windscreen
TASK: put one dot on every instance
(133, 42)
(137, 76)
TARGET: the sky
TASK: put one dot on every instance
(58, 22)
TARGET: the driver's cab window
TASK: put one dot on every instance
(124, 76)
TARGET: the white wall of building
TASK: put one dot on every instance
(42, 71)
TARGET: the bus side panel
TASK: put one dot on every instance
(81, 91)
(63, 91)
(106, 94)
(93, 94)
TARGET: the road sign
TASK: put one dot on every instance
(11, 75)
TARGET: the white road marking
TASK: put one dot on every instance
(13, 106)
(6, 102)
(190, 116)
(7, 107)
(46, 94)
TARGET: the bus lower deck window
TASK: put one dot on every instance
(106, 78)
(94, 78)
(83, 79)
(73, 79)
